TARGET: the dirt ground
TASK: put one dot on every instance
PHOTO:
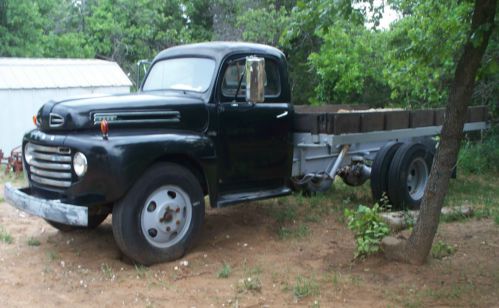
(44, 267)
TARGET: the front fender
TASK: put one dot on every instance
(115, 164)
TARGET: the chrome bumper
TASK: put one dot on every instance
(53, 210)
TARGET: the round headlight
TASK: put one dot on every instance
(80, 164)
(28, 152)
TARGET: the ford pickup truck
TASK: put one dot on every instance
(211, 121)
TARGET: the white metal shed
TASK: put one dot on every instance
(26, 84)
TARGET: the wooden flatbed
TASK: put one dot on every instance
(348, 119)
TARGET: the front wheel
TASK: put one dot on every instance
(160, 216)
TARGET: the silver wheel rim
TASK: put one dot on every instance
(166, 216)
(416, 178)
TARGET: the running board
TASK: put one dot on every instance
(230, 199)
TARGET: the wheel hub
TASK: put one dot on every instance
(417, 177)
(166, 216)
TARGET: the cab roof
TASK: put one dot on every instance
(218, 50)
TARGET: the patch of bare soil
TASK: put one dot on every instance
(87, 269)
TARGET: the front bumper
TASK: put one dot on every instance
(53, 210)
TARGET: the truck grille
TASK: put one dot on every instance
(50, 166)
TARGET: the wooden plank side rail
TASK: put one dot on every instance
(330, 120)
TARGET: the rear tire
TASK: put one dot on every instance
(160, 216)
(93, 222)
(380, 168)
(408, 175)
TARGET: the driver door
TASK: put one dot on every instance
(254, 139)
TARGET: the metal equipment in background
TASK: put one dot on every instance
(14, 161)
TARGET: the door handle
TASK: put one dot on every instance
(282, 115)
(242, 104)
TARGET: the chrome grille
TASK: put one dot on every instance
(50, 166)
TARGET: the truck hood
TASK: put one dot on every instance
(127, 111)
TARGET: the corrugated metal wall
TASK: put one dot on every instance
(17, 108)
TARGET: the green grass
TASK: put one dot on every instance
(482, 156)
(251, 280)
(283, 210)
(446, 295)
(305, 287)
(107, 271)
(476, 191)
(251, 283)
(478, 181)
(441, 250)
(141, 270)
(225, 271)
(295, 232)
(5, 236)
(33, 242)
(52, 255)
(295, 214)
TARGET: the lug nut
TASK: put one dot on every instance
(152, 232)
(151, 207)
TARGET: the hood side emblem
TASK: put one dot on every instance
(55, 120)
(137, 117)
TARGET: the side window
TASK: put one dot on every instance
(232, 77)
(234, 74)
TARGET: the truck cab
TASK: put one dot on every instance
(197, 127)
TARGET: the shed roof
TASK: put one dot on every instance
(29, 73)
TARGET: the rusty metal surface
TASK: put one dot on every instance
(53, 210)
(14, 161)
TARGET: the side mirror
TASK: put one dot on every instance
(142, 67)
(255, 79)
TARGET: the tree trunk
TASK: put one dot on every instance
(416, 249)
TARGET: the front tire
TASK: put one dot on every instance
(160, 216)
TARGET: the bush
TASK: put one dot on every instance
(368, 227)
(482, 156)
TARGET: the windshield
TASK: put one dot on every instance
(189, 74)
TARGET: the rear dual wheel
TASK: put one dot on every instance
(401, 171)
(408, 175)
(380, 168)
